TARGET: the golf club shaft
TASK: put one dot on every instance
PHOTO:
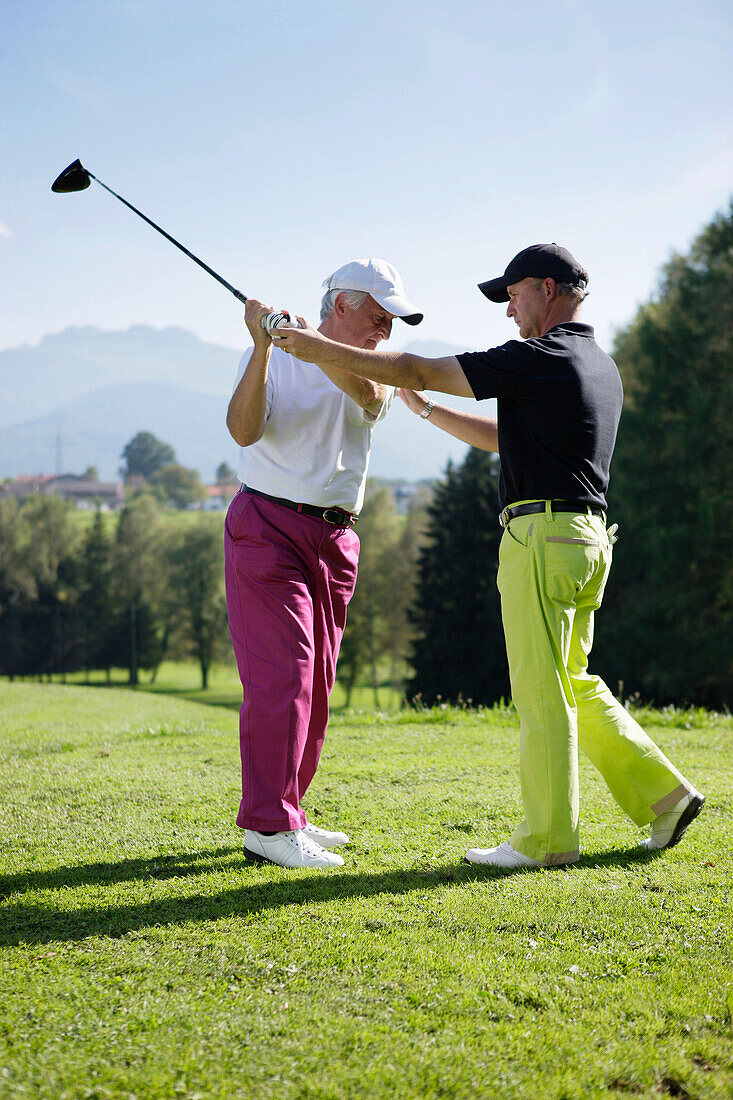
(237, 293)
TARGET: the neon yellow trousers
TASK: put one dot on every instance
(552, 572)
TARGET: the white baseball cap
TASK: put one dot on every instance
(379, 279)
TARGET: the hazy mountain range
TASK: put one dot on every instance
(79, 396)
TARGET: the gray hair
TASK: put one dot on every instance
(574, 292)
(354, 299)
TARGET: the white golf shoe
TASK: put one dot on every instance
(668, 828)
(503, 856)
(324, 837)
(292, 849)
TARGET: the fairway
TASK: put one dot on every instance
(143, 957)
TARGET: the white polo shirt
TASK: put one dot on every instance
(316, 443)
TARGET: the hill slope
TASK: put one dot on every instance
(79, 396)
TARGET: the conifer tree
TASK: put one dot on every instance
(197, 580)
(96, 601)
(459, 647)
(668, 624)
(17, 586)
(365, 638)
(51, 638)
(139, 580)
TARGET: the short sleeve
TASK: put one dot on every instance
(503, 371)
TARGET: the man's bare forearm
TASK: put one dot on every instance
(367, 394)
(246, 412)
(472, 428)
(478, 431)
(400, 368)
(393, 368)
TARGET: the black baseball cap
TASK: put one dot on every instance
(539, 261)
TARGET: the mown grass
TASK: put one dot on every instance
(143, 957)
(183, 679)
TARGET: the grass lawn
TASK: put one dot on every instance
(143, 957)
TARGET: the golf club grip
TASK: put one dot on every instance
(279, 318)
(233, 290)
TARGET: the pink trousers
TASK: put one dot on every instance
(289, 579)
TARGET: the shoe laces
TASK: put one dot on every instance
(303, 843)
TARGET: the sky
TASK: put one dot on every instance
(279, 139)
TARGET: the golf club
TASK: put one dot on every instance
(77, 178)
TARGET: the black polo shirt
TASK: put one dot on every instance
(559, 403)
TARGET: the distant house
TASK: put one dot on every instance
(23, 486)
(84, 492)
(217, 498)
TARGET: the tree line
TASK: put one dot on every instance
(425, 616)
(131, 589)
(667, 628)
(83, 600)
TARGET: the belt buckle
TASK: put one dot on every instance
(343, 519)
(504, 516)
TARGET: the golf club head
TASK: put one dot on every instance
(73, 178)
(77, 178)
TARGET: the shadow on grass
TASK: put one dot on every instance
(37, 924)
(229, 698)
(619, 857)
(195, 695)
(157, 868)
(190, 695)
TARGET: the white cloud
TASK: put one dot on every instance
(4, 231)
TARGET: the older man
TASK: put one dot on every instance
(559, 402)
(291, 551)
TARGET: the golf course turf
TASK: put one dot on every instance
(143, 957)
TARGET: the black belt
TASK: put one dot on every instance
(537, 506)
(337, 517)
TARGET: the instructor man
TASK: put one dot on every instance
(559, 402)
(292, 552)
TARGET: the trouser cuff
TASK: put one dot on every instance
(670, 799)
(557, 859)
(270, 826)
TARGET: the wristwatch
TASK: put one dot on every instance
(427, 410)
